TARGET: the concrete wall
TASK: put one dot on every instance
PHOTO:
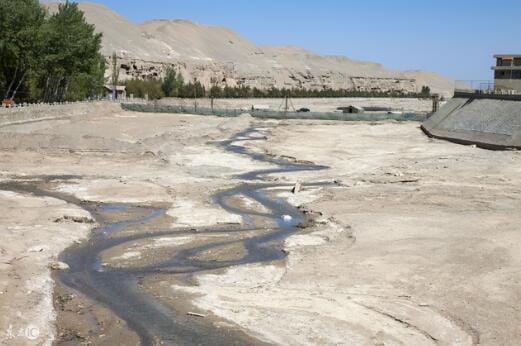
(38, 112)
(489, 123)
(508, 84)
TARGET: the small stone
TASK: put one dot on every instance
(58, 266)
(297, 187)
(38, 248)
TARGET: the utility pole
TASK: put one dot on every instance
(213, 84)
(286, 103)
(115, 76)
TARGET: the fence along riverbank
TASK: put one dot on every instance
(270, 114)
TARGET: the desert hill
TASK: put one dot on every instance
(214, 54)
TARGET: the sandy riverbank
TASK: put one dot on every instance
(105, 157)
(417, 243)
(420, 247)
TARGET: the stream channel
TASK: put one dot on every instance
(118, 288)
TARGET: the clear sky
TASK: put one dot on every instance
(456, 38)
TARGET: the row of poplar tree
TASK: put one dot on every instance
(49, 57)
(173, 85)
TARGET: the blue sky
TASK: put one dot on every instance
(456, 38)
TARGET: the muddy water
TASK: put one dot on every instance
(119, 287)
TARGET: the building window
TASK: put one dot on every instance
(501, 75)
(504, 62)
(517, 61)
(516, 74)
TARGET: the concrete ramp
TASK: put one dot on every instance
(488, 121)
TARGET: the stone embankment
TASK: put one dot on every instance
(488, 121)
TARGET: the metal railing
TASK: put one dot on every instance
(485, 87)
(476, 85)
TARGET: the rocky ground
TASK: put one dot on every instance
(416, 244)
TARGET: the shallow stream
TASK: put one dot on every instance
(119, 289)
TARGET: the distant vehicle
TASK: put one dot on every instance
(260, 107)
(8, 103)
(303, 110)
(351, 109)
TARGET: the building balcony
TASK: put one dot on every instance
(506, 68)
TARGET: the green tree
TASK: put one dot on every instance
(169, 85)
(134, 88)
(216, 92)
(70, 55)
(426, 91)
(20, 43)
(87, 85)
(143, 88)
(115, 75)
(180, 82)
(153, 89)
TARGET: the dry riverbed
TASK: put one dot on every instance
(411, 241)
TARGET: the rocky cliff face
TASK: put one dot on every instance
(216, 55)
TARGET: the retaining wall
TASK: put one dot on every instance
(488, 122)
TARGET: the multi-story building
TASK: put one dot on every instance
(507, 73)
